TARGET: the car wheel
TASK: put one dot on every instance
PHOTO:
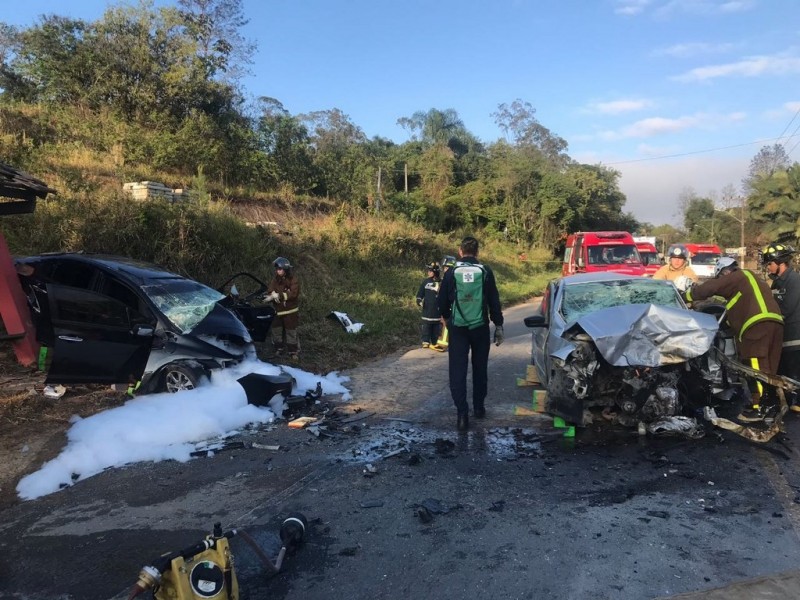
(178, 378)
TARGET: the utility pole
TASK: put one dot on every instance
(405, 176)
(741, 231)
(378, 194)
(742, 219)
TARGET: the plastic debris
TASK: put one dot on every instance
(54, 391)
(346, 321)
(677, 425)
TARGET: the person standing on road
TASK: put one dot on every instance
(753, 314)
(426, 298)
(777, 259)
(284, 292)
(448, 262)
(677, 266)
(468, 300)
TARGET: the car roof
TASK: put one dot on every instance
(134, 270)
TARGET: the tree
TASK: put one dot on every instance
(667, 235)
(598, 202)
(215, 26)
(337, 154)
(775, 203)
(444, 128)
(698, 219)
(520, 121)
(286, 142)
(49, 62)
(768, 160)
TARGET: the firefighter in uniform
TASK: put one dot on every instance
(753, 314)
(284, 292)
(777, 259)
(426, 299)
(448, 262)
(677, 265)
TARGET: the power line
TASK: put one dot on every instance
(785, 129)
(796, 129)
(635, 160)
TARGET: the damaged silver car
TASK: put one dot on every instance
(629, 348)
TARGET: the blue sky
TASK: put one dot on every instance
(672, 93)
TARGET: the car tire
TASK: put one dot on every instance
(180, 377)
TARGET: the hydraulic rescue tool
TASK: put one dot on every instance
(206, 569)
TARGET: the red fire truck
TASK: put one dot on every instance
(593, 251)
(648, 253)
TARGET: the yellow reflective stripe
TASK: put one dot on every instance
(754, 364)
(756, 318)
(762, 305)
(287, 312)
(689, 295)
(733, 300)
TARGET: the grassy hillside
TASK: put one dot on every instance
(347, 259)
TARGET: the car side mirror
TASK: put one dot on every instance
(535, 321)
(580, 261)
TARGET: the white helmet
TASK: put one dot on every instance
(724, 263)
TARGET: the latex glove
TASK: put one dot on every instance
(273, 297)
(683, 283)
(499, 335)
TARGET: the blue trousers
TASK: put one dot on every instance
(462, 342)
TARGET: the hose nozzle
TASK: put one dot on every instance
(148, 578)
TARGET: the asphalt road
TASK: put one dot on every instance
(402, 506)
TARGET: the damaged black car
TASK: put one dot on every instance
(111, 319)
(628, 349)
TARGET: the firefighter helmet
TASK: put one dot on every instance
(679, 251)
(448, 261)
(777, 252)
(433, 266)
(282, 263)
(726, 262)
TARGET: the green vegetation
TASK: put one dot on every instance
(148, 93)
(347, 261)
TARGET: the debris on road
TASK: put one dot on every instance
(259, 446)
(301, 422)
(677, 425)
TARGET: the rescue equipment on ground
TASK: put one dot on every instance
(207, 569)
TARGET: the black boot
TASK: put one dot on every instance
(462, 424)
(480, 412)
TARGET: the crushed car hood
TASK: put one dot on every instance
(219, 322)
(646, 335)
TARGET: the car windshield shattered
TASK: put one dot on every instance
(185, 303)
(581, 299)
